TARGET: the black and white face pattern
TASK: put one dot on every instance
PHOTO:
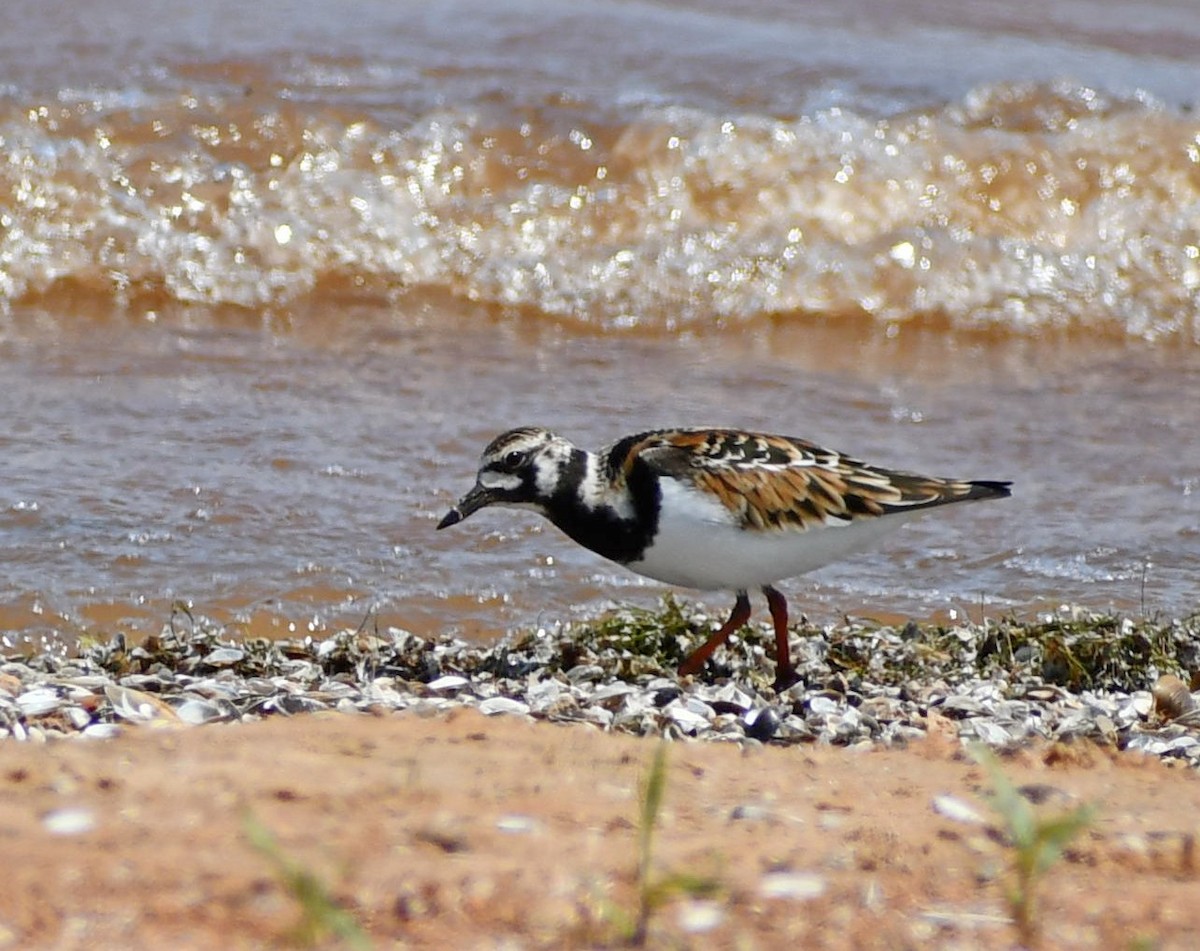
(522, 465)
(519, 469)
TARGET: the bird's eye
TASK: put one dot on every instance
(512, 459)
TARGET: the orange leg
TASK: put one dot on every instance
(785, 673)
(737, 618)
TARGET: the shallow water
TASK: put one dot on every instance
(270, 278)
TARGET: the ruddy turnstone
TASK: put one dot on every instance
(714, 509)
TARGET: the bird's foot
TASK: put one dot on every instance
(785, 677)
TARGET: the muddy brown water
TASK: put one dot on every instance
(269, 281)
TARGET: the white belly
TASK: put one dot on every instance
(699, 546)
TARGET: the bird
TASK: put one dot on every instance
(710, 508)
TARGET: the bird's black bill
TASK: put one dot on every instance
(473, 501)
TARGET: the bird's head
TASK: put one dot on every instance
(518, 469)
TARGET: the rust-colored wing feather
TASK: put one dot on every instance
(786, 483)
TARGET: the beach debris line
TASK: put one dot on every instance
(1071, 675)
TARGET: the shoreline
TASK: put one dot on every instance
(1003, 683)
(445, 807)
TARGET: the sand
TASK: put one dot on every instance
(466, 831)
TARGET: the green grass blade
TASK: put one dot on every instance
(320, 915)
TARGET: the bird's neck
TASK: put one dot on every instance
(610, 519)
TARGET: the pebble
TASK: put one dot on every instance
(197, 711)
(699, 916)
(990, 732)
(224, 657)
(959, 810)
(517, 824)
(1172, 699)
(690, 722)
(39, 701)
(797, 886)
(69, 821)
(761, 724)
(447, 682)
(202, 675)
(494, 705)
